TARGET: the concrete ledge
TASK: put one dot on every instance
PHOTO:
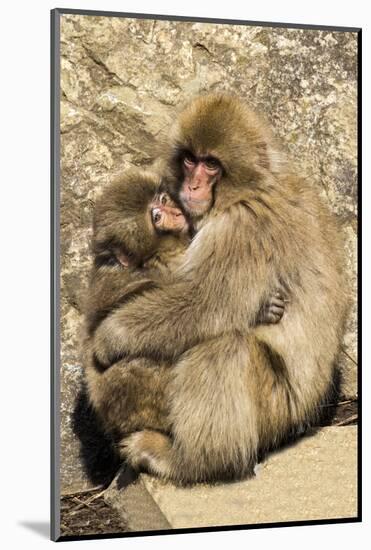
(136, 506)
(314, 479)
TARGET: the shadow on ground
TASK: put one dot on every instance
(42, 528)
(99, 458)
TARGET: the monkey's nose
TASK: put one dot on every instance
(194, 186)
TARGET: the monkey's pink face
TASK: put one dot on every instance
(200, 176)
(166, 216)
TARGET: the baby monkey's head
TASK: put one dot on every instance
(132, 218)
(166, 215)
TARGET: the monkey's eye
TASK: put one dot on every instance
(156, 215)
(189, 161)
(211, 163)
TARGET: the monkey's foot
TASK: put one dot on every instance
(126, 476)
(147, 450)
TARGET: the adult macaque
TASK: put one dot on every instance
(139, 235)
(237, 388)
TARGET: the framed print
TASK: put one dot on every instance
(205, 281)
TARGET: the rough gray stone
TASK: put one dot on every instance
(314, 479)
(122, 81)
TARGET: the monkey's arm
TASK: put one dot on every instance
(109, 287)
(221, 288)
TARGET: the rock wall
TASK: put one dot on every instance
(122, 81)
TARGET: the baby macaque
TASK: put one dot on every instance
(138, 236)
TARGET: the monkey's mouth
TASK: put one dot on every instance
(179, 222)
(193, 205)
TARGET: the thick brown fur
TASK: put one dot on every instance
(237, 388)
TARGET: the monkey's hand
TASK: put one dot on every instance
(272, 310)
(158, 324)
(106, 347)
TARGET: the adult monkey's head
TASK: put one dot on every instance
(217, 145)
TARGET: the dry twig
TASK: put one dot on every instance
(347, 421)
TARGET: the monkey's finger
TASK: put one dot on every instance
(276, 310)
(279, 294)
(278, 302)
(273, 318)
